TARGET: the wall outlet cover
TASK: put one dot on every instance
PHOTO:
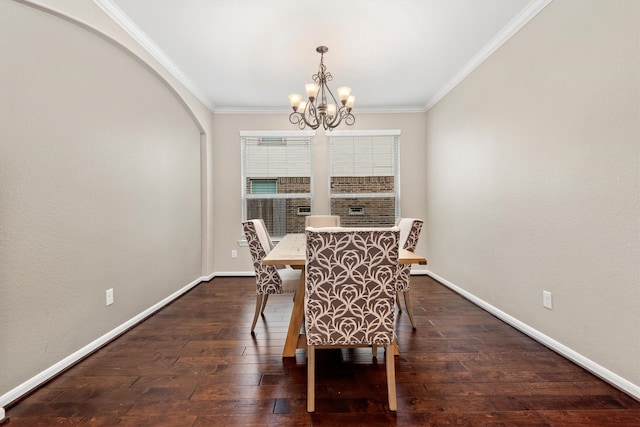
(547, 301)
(109, 296)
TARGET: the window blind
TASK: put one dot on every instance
(276, 157)
(363, 155)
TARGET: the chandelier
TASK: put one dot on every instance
(322, 107)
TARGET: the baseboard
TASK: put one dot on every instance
(207, 278)
(41, 378)
(588, 364)
(235, 273)
(70, 360)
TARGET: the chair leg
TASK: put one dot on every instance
(374, 350)
(311, 378)
(391, 377)
(398, 301)
(258, 310)
(409, 307)
(264, 303)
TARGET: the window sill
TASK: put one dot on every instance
(243, 242)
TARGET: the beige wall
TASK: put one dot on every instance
(533, 180)
(227, 183)
(100, 185)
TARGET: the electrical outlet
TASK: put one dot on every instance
(109, 296)
(234, 253)
(547, 301)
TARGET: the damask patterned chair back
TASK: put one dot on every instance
(410, 229)
(350, 292)
(322, 221)
(269, 279)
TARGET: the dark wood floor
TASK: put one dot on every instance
(195, 363)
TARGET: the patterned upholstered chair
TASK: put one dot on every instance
(322, 221)
(269, 279)
(350, 294)
(409, 233)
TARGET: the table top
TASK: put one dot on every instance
(291, 250)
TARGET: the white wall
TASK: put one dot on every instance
(100, 186)
(227, 176)
(533, 181)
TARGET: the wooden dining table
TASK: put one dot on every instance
(291, 251)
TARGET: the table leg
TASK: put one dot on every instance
(297, 315)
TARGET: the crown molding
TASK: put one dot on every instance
(253, 110)
(519, 21)
(287, 110)
(530, 11)
(111, 9)
(390, 132)
(277, 134)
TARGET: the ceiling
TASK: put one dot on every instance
(248, 55)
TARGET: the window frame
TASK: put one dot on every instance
(396, 194)
(250, 136)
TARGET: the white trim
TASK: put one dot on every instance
(276, 195)
(531, 10)
(70, 360)
(39, 379)
(399, 109)
(253, 110)
(73, 358)
(519, 21)
(408, 109)
(235, 274)
(588, 364)
(277, 133)
(390, 132)
(207, 278)
(111, 9)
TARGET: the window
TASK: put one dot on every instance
(264, 186)
(364, 180)
(276, 177)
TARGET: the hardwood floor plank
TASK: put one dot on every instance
(195, 363)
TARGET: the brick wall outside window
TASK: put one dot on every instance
(268, 209)
(378, 211)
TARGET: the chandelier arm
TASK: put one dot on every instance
(343, 115)
(349, 119)
(311, 114)
(295, 118)
(300, 120)
(336, 120)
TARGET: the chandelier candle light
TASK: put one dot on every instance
(318, 111)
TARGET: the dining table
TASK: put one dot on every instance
(291, 251)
